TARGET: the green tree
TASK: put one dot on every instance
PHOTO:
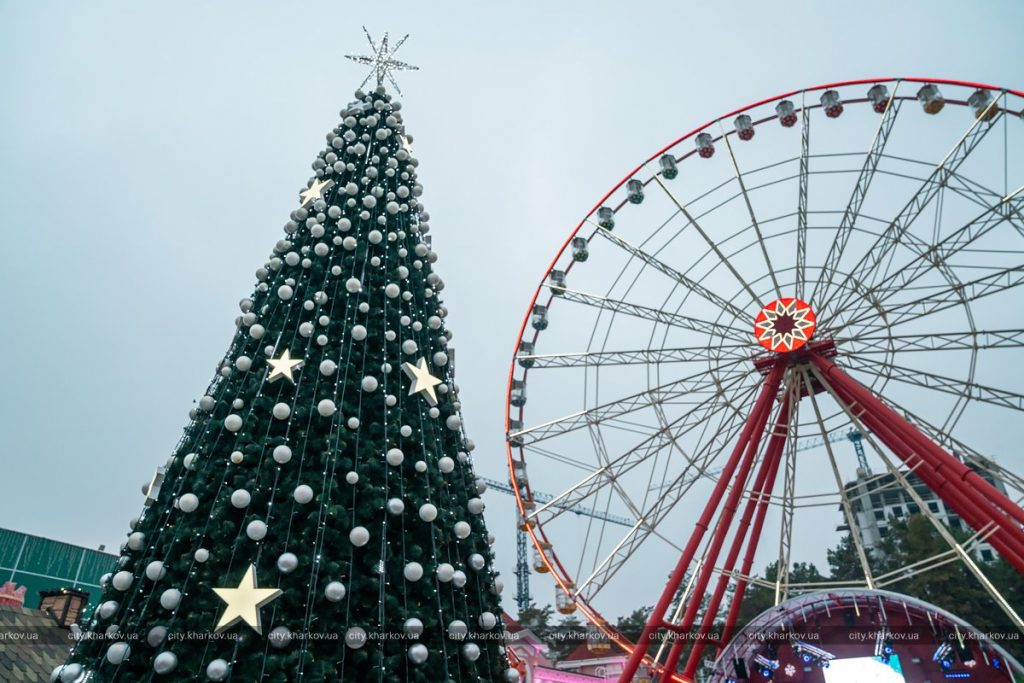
(326, 461)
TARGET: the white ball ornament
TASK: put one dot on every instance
(395, 457)
(326, 407)
(284, 292)
(475, 506)
(445, 464)
(348, 244)
(409, 347)
(189, 461)
(364, 307)
(352, 477)
(418, 653)
(334, 591)
(462, 530)
(453, 422)
(413, 571)
(122, 581)
(420, 466)
(359, 536)
(108, 609)
(428, 512)
(118, 652)
(459, 578)
(497, 587)
(440, 359)
(280, 637)
(165, 663)
(257, 331)
(306, 330)
(241, 498)
(355, 637)
(136, 541)
(67, 673)
(369, 383)
(353, 423)
(457, 629)
(390, 400)
(487, 620)
(434, 412)
(303, 494)
(511, 676)
(471, 652)
(155, 570)
(156, 636)
(282, 454)
(321, 249)
(353, 285)
(207, 403)
(375, 237)
(217, 670)
(445, 572)
(392, 290)
(405, 431)
(256, 530)
(170, 599)
(359, 333)
(413, 627)
(287, 562)
(328, 368)
(202, 555)
(238, 404)
(396, 506)
(233, 423)
(188, 502)
(281, 411)
(434, 323)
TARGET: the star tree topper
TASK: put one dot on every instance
(244, 602)
(422, 380)
(283, 366)
(382, 61)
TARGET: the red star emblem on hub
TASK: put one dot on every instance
(784, 325)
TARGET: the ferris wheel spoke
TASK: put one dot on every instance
(957, 242)
(750, 211)
(622, 464)
(687, 354)
(938, 341)
(711, 243)
(656, 263)
(657, 315)
(874, 155)
(948, 297)
(647, 523)
(949, 385)
(697, 383)
(801, 204)
(879, 252)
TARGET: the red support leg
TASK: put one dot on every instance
(714, 548)
(755, 423)
(764, 482)
(974, 499)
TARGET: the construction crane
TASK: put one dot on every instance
(523, 544)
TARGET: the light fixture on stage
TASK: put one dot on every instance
(812, 654)
(766, 666)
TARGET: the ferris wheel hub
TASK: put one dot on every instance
(785, 325)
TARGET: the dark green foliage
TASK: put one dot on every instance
(325, 449)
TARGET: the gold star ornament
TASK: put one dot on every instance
(244, 602)
(283, 366)
(314, 192)
(422, 380)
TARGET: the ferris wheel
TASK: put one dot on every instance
(843, 259)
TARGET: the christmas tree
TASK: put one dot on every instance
(320, 519)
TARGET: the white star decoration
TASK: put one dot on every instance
(422, 380)
(767, 329)
(314, 192)
(283, 366)
(244, 602)
(382, 61)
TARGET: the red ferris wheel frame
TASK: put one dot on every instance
(980, 506)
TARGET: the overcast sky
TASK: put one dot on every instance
(150, 152)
